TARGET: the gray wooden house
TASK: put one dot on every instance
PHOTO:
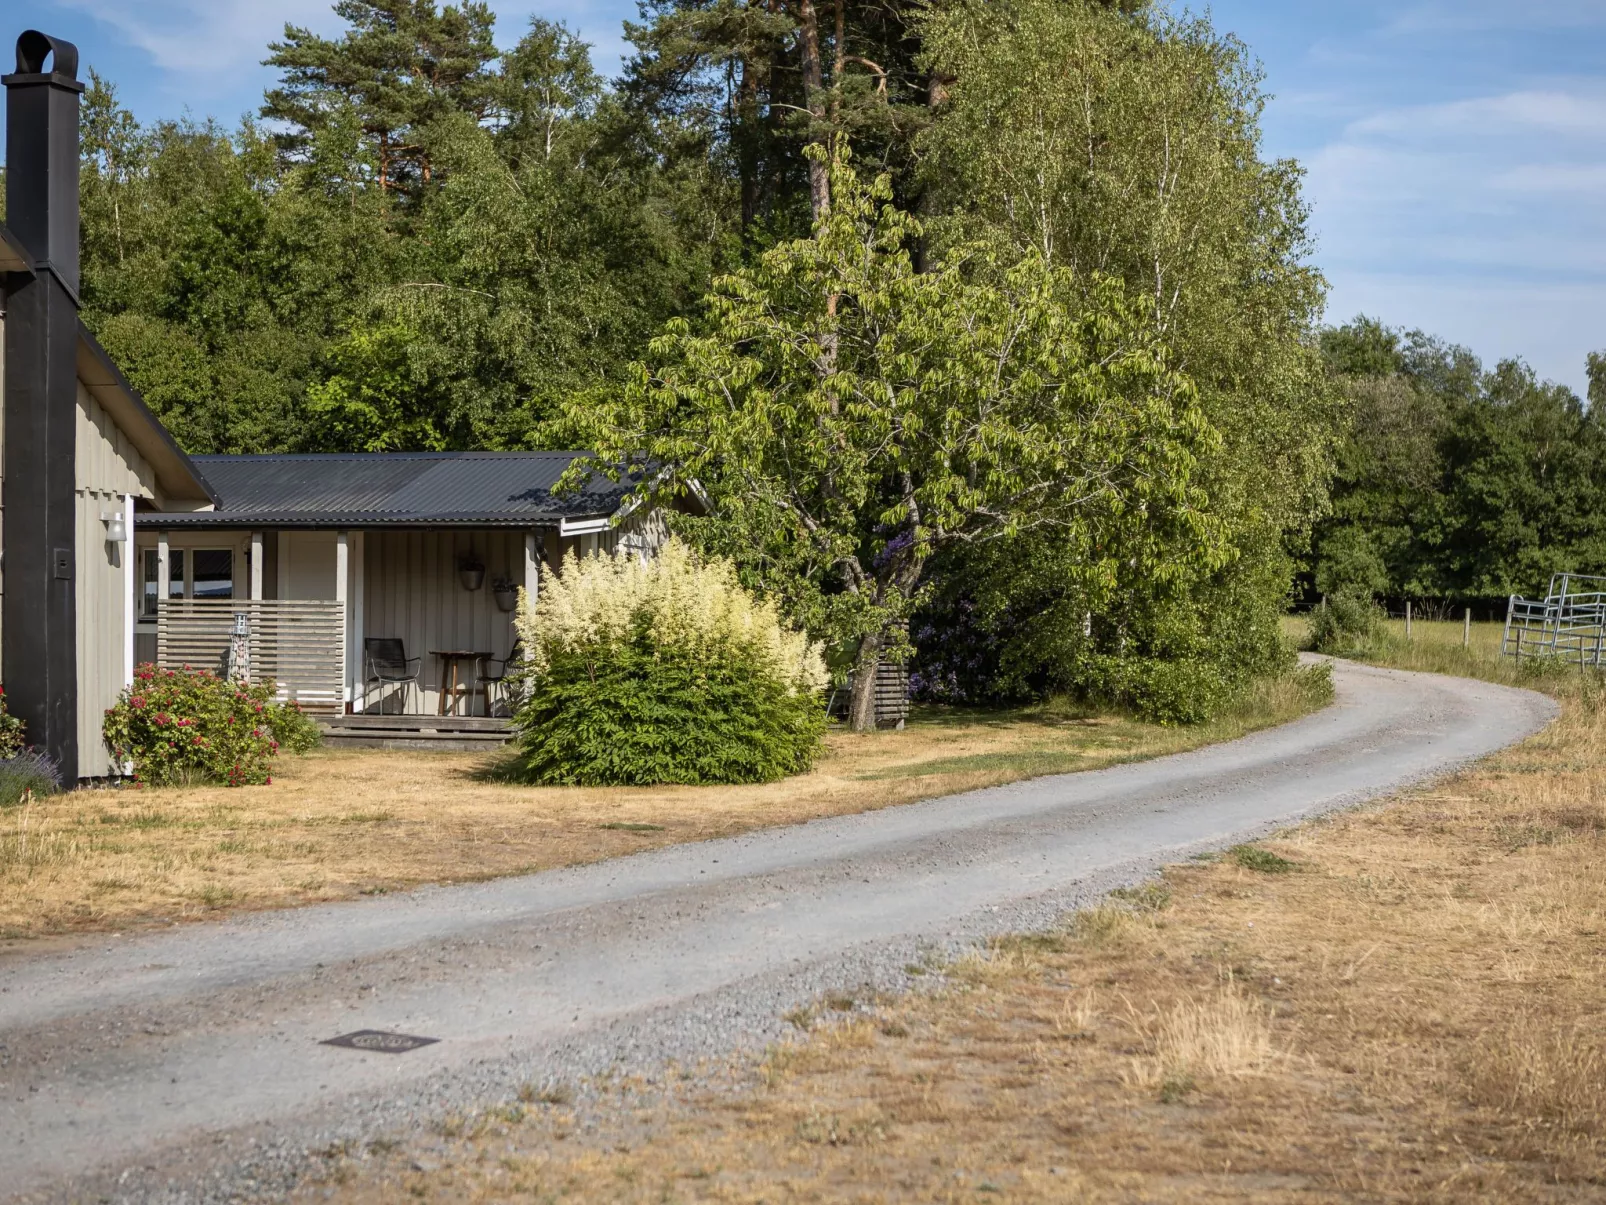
(119, 549)
(327, 555)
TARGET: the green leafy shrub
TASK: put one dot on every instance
(1173, 692)
(295, 731)
(26, 775)
(184, 726)
(11, 734)
(1347, 623)
(665, 672)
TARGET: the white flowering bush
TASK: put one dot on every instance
(667, 671)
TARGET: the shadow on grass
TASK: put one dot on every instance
(1027, 763)
(1053, 713)
(504, 768)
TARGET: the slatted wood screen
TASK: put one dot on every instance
(300, 645)
(891, 694)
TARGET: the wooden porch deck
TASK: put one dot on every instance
(442, 733)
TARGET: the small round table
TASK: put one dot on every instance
(451, 688)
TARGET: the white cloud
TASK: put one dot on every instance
(1453, 16)
(1550, 112)
(1502, 185)
(1553, 178)
(193, 38)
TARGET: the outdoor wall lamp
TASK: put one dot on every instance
(116, 529)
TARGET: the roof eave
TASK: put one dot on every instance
(176, 473)
(271, 522)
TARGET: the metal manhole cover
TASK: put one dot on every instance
(379, 1041)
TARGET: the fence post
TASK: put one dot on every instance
(1408, 619)
(1466, 629)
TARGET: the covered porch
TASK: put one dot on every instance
(351, 622)
(372, 585)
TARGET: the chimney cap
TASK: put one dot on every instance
(33, 48)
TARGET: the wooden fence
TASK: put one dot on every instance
(300, 645)
(891, 696)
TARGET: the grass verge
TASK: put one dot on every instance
(342, 823)
(1414, 1013)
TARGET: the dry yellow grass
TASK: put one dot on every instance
(1415, 1011)
(340, 822)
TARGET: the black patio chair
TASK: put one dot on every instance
(385, 662)
(487, 676)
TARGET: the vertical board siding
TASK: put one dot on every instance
(102, 616)
(105, 458)
(411, 591)
(108, 467)
(309, 560)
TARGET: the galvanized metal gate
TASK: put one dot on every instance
(1568, 624)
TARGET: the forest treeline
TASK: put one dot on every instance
(1456, 483)
(780, 246)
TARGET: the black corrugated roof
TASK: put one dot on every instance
(380, 489)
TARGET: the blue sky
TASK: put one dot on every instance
(1456, 149)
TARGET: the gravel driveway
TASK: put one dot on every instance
(187, 1064)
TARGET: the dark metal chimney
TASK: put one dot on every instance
(38, 618)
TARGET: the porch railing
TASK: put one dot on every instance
(298, 644)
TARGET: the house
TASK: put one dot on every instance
(323, 553)
(118, 548)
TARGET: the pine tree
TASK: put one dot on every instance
(402, 66)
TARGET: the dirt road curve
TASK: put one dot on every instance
(188, 1064)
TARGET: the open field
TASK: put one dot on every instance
(1435, 647)
(1403, 1002)
(342, 822)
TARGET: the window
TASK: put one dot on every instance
(193, 573)
(213, 573)
(148, 590)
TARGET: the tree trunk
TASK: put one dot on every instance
(861, 708)
(936, 97)
(814, 97)
(747, 136)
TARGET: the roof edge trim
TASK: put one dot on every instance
(175, 471)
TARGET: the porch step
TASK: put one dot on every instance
(443, 733)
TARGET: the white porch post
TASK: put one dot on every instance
(164, 573)
(532, 565)
(342, 593)
(131, 586)
(256, 566)
(359, 575)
